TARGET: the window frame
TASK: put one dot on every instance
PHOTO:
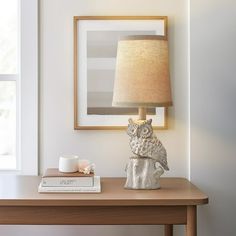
(27, 91)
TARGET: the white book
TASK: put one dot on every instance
(96, 188)
(67, 181)
(54, 178)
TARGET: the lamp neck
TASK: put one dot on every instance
(142, 112)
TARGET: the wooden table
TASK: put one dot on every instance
(174, 203)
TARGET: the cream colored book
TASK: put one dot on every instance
(96, 188)
(54, 178)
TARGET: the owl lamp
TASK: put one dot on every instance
(142, 80)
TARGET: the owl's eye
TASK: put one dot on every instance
(145, 130)
(132, 130)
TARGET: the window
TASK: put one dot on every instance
(9, 78)
(8, 158)
(18, 86)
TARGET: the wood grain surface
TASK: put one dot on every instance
(93, 215)
(175, 203)
(23, 191)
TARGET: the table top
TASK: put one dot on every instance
(23, 191)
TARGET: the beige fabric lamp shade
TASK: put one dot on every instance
(142, 72)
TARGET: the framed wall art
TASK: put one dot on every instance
(95, 46)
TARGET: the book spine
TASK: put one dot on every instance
(76, 190)
(94, 189)
(67, 181)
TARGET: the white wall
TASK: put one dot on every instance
(213, 112)
(108, 149)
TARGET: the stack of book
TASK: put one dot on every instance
(54, 181)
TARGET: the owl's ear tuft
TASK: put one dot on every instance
(130, 121)
(149, 121)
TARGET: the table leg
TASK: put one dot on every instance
(168, 230)
(191, 227)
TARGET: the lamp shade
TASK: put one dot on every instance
(142, 72)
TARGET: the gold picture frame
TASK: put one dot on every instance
(94, 24)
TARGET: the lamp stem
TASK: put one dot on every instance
(142, 111)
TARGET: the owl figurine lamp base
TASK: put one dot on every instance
(145, 168)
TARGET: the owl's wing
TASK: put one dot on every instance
(162, 159)
(160, 154)
(150, 147)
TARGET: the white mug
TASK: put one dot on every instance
(68, 163)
